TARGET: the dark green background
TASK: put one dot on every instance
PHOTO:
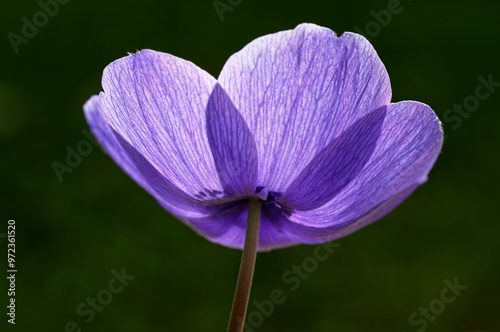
(70, 235)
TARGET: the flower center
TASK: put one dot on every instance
(268, 199)
(269, 203)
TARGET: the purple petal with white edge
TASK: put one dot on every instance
(232, 144)
(157, 103)
(409, 144)
(298, 90)
(337, 164)
(177, 204)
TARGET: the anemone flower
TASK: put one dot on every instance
(297, 141)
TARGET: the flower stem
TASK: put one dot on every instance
(242, 294)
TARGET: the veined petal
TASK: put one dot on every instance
(165, 191)
(105, 137)
(312, 235)
(298, 90)
(177, 203)
(232, 144)
(409, 144)
(156, 102)
(336, 165)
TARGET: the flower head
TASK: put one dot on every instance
(301, 120)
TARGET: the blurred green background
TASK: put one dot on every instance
(72, 234)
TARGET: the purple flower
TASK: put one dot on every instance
(300, 119)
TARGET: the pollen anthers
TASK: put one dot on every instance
(267, 195)
(270, 201)
(209, 194)
(262, 193)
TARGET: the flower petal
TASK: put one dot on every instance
(177, 203)
(165, 191)
(224, 224)
(157, 103)
(313, 235)
(409, 144)
(299, 89)
(105, 137)
(337, 164)
(232, 144)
